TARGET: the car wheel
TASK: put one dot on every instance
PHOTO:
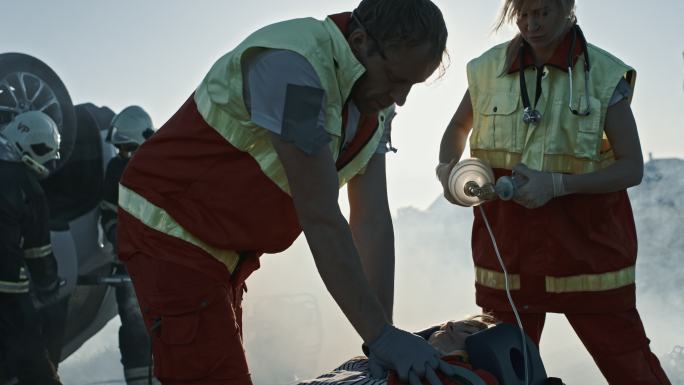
(28, 84)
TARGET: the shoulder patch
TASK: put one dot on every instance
(300, 118)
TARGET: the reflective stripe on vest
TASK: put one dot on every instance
(255, 141)
(14, 287)
(557, 285)
(38, 252)
(558, 163)
(158, 219)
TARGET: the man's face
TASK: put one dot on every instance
(388, 79)
(126, 150)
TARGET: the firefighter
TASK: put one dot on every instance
(28, 146)
(129, 129)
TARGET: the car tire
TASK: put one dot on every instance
(28, 84)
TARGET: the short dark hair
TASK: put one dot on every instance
(399, 22)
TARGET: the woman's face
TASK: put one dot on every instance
(542, 23)
(451, 336)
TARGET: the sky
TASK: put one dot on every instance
(154, 53)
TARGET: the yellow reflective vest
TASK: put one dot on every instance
(211, 177)
(220, 101)
(560, 141)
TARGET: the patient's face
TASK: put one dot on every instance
(451, 336)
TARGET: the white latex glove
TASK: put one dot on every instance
(409, 355)
(536, 187)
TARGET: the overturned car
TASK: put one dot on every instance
(74, 192)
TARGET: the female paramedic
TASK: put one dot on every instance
(554, 111)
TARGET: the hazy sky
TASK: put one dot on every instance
(154, 53)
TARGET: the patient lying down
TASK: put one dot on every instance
(448, 339)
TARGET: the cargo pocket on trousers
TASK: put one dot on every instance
(179, 330)
(182, 349)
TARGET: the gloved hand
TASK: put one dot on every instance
(537, 188)
(409, 355)
(443, 171)
(375, 368)
(48, 294)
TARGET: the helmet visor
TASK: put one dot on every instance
(119, 137)
(43, 150)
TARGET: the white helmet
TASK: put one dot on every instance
(131, 126)
(35, 138)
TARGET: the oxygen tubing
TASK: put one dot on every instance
(508, 294)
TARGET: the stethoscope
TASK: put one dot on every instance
(532, 115)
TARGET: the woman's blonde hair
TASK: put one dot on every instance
(510, 10)
(480, 321)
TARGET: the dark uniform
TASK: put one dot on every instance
(25, 253)
(134, 341)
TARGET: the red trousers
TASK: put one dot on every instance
(191, 305)
(616, 341)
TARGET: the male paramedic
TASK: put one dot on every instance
(257, 155)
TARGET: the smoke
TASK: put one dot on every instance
(293, 329)
(434, 278)
(97, 361)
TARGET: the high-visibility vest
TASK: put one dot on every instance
(560, 141)
(211, 177)
(219, 96)
(578, 252)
